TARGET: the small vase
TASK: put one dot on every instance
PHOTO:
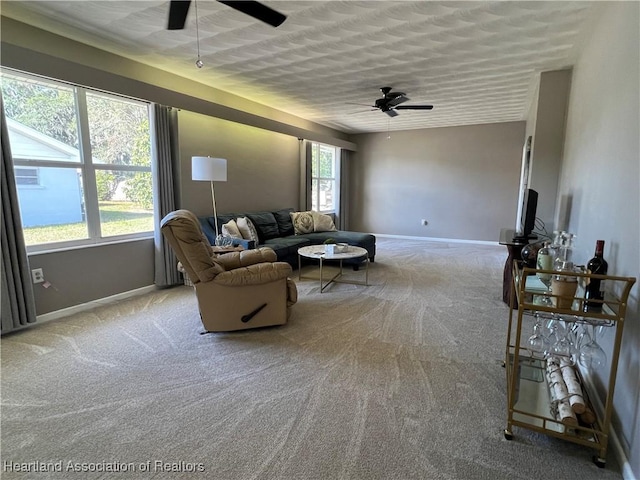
(222, 241)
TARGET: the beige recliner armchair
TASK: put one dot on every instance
(237, 290)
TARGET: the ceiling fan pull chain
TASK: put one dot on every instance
(199, 63)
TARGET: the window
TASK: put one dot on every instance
(323, 178)
(27, 176)
(82, 162)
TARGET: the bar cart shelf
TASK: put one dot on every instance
(530, 404)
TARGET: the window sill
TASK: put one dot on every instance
(84, 246)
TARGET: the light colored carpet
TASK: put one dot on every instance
(398, 380)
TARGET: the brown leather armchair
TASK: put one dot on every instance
(237, 290)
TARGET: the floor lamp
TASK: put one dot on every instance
(211, 170)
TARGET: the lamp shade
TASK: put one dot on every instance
(209, 169)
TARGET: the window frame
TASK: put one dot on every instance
(85, 167)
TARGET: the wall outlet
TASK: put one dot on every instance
(37, 275)
(423, 222)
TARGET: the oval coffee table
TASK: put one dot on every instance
(317, 252)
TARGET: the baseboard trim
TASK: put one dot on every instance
(614, 439)
(65, 312)
(435, 239)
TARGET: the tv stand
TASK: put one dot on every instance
(524, 239)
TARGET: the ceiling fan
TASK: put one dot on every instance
(390, 102)
(178, 10)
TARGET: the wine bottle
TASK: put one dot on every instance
(594, 290)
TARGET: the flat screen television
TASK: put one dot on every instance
(528, 218)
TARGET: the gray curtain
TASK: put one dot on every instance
(342, 212)
(305, 175)
(17, 302)
(164, 151)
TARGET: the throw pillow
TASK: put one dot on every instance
(323, 223)
(266, 225)
(285, 225)
(247, 229)
(230, 229)
(302, 222)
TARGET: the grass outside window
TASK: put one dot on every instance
(116, 218)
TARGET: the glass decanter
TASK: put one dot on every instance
(564, 252)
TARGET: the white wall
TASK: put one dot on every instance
(600, 180)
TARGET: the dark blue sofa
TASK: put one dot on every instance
(275, 230)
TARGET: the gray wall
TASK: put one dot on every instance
(600, 181)
(263, 168)
(85, 274)
(462, 180)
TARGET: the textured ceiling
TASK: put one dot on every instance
(476, 62)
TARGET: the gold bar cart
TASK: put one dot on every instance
(528, 399)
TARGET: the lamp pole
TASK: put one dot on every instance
(215, 214)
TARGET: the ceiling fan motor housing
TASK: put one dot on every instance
(387, 93)
(390, 99)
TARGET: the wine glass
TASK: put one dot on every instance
(538, 342)
(562, 345)
(545, 262)
(553, 327)
(583, 338)
(546, 299)
(575, 338)
(592, 356)
(556, 326)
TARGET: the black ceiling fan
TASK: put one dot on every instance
(178, 10)
(390, 102)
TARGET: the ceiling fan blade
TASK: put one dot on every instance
(362, 111)
(397, 101)
(391, 113)
(257, 10)
(415, 107)
(178, 10)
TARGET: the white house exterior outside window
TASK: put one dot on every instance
(82, 162)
